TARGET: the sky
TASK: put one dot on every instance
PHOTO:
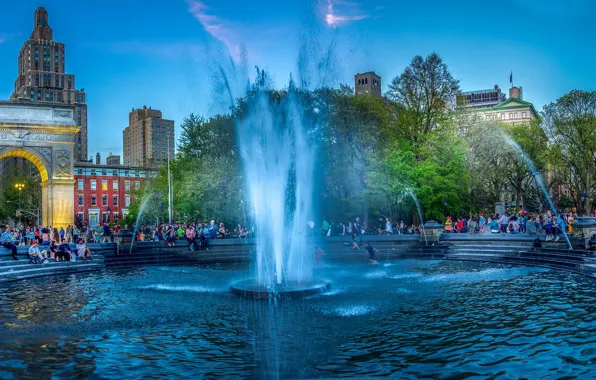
(168, 54)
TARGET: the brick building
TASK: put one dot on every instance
(104, 192)
(146, 138)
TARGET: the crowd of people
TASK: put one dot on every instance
(552, 225)
(385, 226)
(48, 244)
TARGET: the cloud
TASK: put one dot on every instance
(342, 12)
(220, 29)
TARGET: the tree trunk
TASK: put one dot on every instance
(517, 196)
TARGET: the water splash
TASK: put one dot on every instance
(136, 226)
(419, 214)
(278, 164)
(536, 176)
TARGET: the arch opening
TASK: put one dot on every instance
(33, 158)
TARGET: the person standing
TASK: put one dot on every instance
(370, 250)
(106, 233)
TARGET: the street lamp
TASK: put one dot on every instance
(19, 187)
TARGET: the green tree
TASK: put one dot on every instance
(570, 124)
(425, 95)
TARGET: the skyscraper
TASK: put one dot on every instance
(42, 77)
(146, 138)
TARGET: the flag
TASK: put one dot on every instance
(511, 78)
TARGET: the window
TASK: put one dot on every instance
(104, 171)
(127, 200)
(115, 203)
(116, 218)
(104, 200)
(523, 115)
(127, 185)
(515, 115)
(104, 185)
(93, 185)
(80, 184)
(115, 185)
(137, 185)
(106, 217)
(80, 200)
(93, 200)
(510, 115)
(502, 116)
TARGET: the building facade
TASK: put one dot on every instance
(42, 77)
(510, 111)
(368, 83)
(148, 138)
(103, 192)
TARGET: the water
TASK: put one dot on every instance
(536, 176)
(411, 319)
(278, 163)
(136, 226)
(419, 214)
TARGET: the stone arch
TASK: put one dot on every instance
(35, 157)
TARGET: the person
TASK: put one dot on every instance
(36, 256)
(325, 227)
(388, 228)
(191, 236)
(83, 251)
(212, 230)
(481, 223)
(472, 226)
(45, 236)
(221, 232)
(448, 224)
(355, 241)
(180, 232)
(537, 243)
(319, 253)
(459, 225)
(106, 233)
(62, 233)
(560, 225)
(8, 243)
(371, 252)
(494, 226)
(504, 223)
(63, 251)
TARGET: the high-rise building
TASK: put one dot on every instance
(146, 138)
(42, 77)
(368, 83)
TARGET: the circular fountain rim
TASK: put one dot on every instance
(252, 289)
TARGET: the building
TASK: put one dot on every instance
(511, 111)
(113, 160)
(104, 192)
(368, 83)
(482, 98)
(148, 138)
(42, 77)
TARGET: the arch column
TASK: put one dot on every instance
(57, 202)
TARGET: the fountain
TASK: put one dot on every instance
(278, 164)
(532, 168)
(419, 214)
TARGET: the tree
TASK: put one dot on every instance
(425, 94)
(570, 124)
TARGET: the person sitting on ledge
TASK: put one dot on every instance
(7, 242)
(494, 227)
(36, 256)
(83, 251)
(63, 251)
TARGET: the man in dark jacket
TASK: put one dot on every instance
(106, 233)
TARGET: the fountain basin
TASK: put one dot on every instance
(252, 289)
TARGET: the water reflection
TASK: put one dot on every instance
(409, 319)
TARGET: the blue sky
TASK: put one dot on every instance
(162, 53)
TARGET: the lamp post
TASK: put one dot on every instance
(19, 187)
(444, 207)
